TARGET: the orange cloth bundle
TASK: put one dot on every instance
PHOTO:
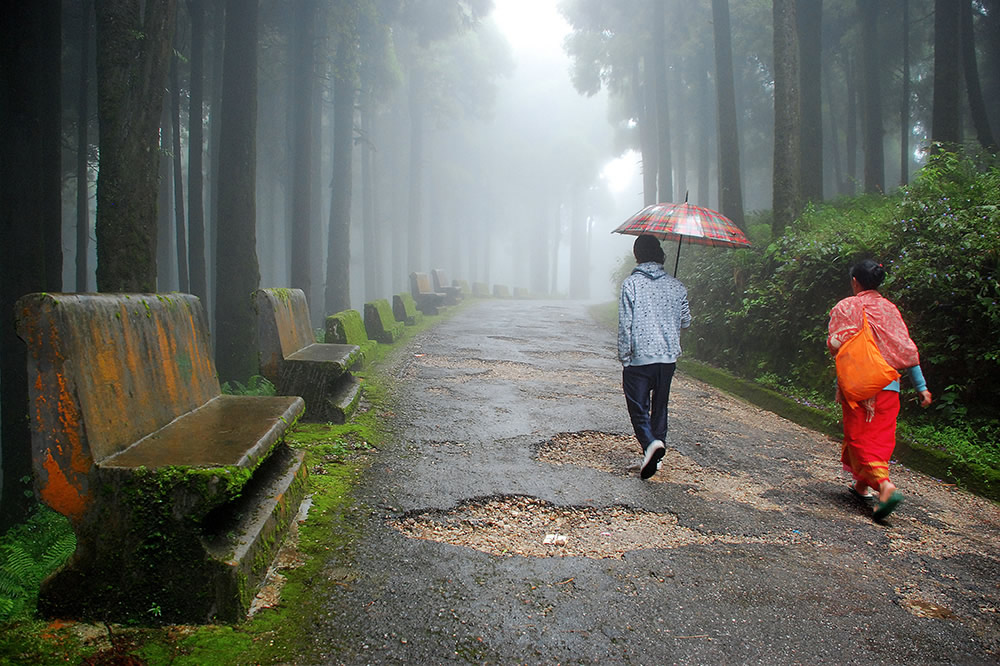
(861, 370)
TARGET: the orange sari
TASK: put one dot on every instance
(870, 428)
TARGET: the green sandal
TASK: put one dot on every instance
(883, 509)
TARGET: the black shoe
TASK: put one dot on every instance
(654, 452)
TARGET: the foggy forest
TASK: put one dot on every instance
(218, 146)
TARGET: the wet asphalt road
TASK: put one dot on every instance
(787, 568)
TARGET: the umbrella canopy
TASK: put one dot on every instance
(684, 221)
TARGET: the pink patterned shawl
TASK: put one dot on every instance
(890, 332)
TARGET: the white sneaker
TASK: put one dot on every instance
(650, 463)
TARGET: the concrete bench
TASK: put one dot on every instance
(179, 496)
(428, 301)
(298, 365)
(501, 291)
(521, 292)
(463, 285)
(346, 328)
(404, 309)
(481, 290)
(452, 293)
(380, 322)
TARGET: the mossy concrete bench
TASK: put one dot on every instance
(346, 328)
(428, 301)
(404, 309)
(501, 291)
(179, 496)
(452, 293)
(480, 290)
(296, 364)
(380, 322)
(463, 286)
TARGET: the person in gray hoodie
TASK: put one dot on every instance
(651, 313)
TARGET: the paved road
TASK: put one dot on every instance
(744, 548)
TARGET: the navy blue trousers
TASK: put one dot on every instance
(647, 392)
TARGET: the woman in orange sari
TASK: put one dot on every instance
(870, 426)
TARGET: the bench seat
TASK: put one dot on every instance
(298, 365)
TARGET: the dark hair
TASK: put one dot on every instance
(647, 248)
(868, 273)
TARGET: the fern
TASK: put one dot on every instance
(30, 552)
(256, 385)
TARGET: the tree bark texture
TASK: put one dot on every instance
(415, 218)
(977, 106)
(179, 223)
(945, 122)
(166, 258)
(338, 257)
(904, 101)
(643, 86)
(303, 76)
(873, 132)
(786, 185)
(664, 162)
(132, 60)
(236, 256)
(196, 139)
(82, 152)
(810, 22)
(730, 187)
(30, 214)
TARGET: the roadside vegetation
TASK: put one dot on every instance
(761, 313)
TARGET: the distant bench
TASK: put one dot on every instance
(428, 301)
(452, 293)
(296, 364)
(404, 309)
(380, 322)
(179, 495)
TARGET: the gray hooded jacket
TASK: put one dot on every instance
(651, 313)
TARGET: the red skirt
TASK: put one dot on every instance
(868, 445)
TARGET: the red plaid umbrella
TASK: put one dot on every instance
(684, 221)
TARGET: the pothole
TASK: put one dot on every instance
(619, 454)
(531, 527)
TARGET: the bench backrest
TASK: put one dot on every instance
(420, 283)
(346, 328)
(283, 326)
(105, 370)
(404, 308)
(380, 322)
(439, 279)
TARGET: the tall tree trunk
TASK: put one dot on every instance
(980, 119)
(132, 61)
(415, 221)
(904, 102)
(705, 116)
(850, 186)
(874, 151)
(643, 86)
(179, 222)
(214, 136)
(30, 215)
(837, 184)
(810, 33)
(338, 257)
(664, 162)
(236, 257)
(786, 186)
(373, 265)
(945, 123)
(166, 260)
(303, 75)
(196, 198)
(82, 152)
(730, 187)
(579, 271)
